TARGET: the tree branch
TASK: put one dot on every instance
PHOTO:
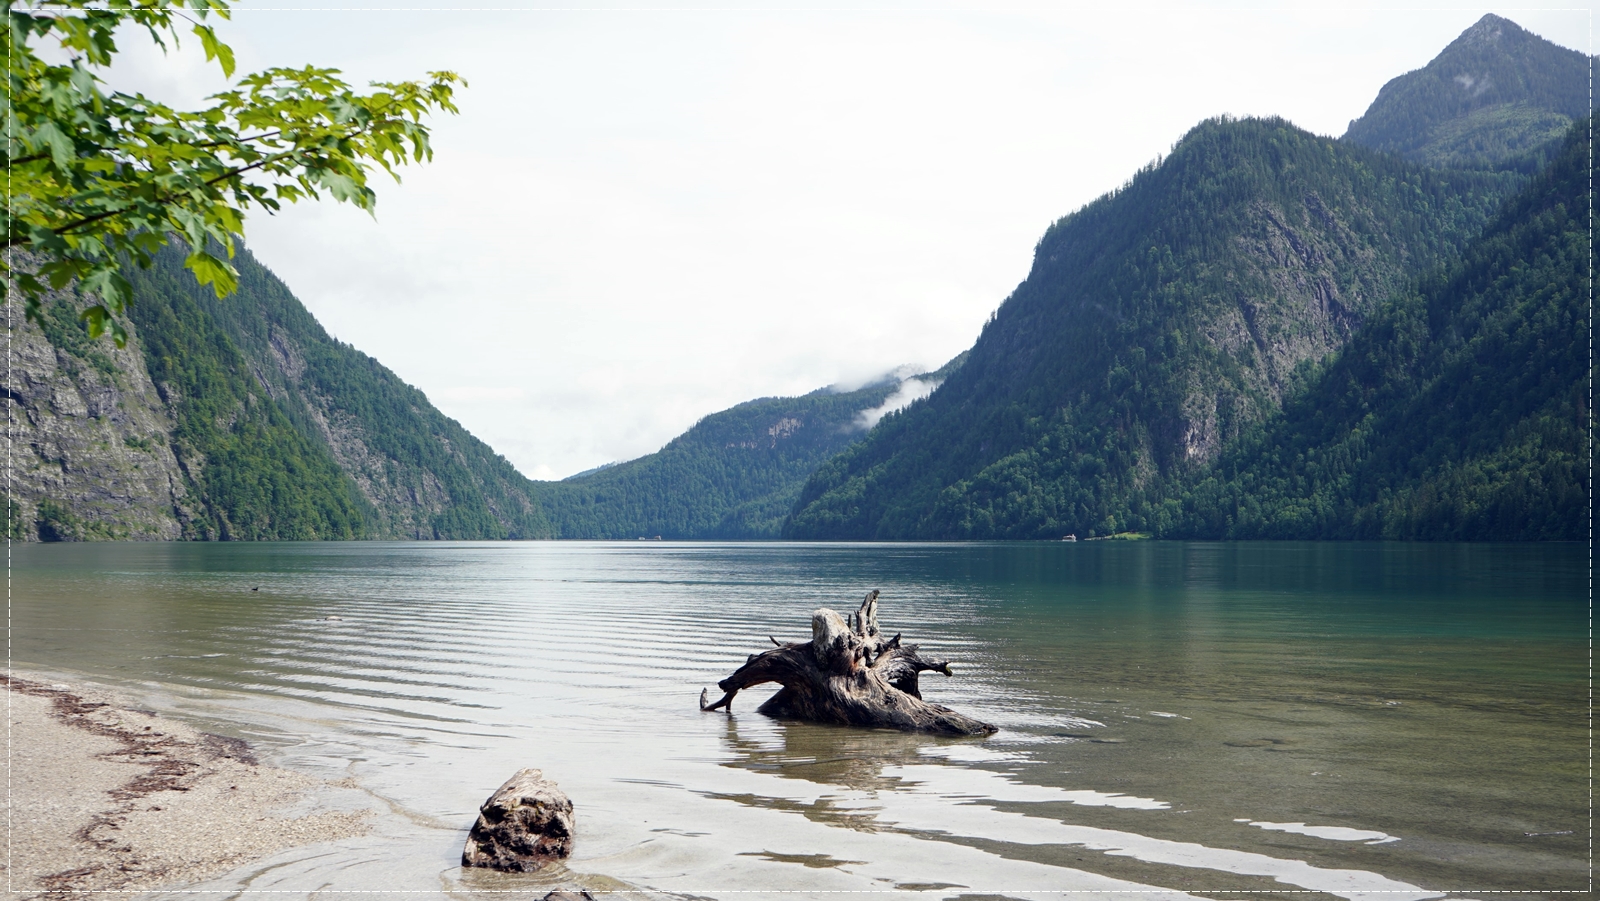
(168, 198)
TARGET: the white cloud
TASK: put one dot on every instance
(910, 391)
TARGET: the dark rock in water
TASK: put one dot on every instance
(524, 825)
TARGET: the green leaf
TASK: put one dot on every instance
(96, 318)
(105, 282)
(208, 270)
(116, 173)
(215, 49)
(61, 148)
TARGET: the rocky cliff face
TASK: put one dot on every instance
(237, 419)
(1302, 281)
(88, 436)
(1459, 411)
(406, 502)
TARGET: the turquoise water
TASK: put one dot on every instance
(1235, 720)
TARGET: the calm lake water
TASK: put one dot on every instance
(1365, 721)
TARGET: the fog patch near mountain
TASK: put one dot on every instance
(897, 374)
(910, 391)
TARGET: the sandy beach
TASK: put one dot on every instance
(103, 797)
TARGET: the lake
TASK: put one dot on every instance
(1364, 721)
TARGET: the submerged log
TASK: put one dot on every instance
(848, 673)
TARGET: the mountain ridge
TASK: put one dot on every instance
(1232, 344)
(1156, 323)
(1497, 96)
(1459, 413)
(733, 475)
(241, 419)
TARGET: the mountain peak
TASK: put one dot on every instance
(1487, 32)
(1493, 99)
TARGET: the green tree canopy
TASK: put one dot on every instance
(97, 175)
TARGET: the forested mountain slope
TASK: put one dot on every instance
(237, 419)
(1459, 411)
(1266, 334)
(288, 433)
(1495, 98)
(1158, 323)
(242, 418)
(734, 475)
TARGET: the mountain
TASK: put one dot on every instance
(735, 474)
(1173, 361)
(1458, 412)
(1157, 324)
(1267, 334)
(240, 419)
(423, 475)
(1497, 97)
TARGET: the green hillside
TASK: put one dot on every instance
(286, 433)
(1157, 324)
(1495, 98)
(252, 474)
(1459, 412)
(734, 475)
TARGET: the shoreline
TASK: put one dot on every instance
(106, 797)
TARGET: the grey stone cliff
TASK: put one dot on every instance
(88, 454)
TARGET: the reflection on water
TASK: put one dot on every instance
(1366, 721)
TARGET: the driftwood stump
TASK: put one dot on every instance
(848, 673)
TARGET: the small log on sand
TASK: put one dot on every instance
(850, 674)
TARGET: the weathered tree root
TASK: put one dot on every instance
(848, 673)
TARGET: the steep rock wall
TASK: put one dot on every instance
(88, 450)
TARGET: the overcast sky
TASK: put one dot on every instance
(641, 217)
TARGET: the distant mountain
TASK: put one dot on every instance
(591, 471)
(1158, 323)
(735, 474)
(240, 419)
(1458, 412)
(1495, 98)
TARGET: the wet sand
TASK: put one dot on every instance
(102, 797)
